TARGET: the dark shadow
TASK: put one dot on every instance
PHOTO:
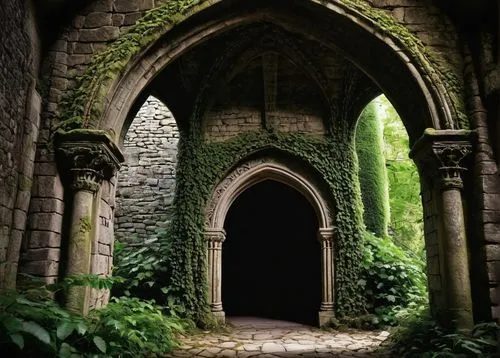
(271, 257)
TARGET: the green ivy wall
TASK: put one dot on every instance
(372, 171)
(202, 165)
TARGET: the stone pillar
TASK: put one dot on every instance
(215, 239)
(442, 154)
(325, 236)
(86, 159)
(455, 249)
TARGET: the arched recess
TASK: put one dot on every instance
(242, 177)
(107, 100)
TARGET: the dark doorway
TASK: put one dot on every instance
(271, 259)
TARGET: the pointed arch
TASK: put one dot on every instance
(255, 171)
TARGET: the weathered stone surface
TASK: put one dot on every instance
(97, 19)
(40, 239)
(101, 34)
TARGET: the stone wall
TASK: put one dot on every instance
(146, 182)
(291, 102)
(20, 106)
(434, 251)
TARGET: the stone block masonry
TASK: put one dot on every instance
(146, 182)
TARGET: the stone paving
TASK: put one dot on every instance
(257, 337)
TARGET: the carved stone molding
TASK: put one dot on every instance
(88, 157)
(224, 185)
(215, 235)
(256, 170)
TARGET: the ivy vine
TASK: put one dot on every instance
(202, 165)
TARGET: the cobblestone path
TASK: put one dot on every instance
(256, 337)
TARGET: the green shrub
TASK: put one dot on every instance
(394, 282)
(32, 324)
(421, 337)
(132, 327)
(141, 268)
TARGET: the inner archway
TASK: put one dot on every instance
(271, 262)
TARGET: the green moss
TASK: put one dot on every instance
(84, 105)
(85, 224)
(372, 173)
(431, 63)
(25, 183)
(202, 165)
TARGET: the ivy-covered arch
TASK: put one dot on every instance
(252, 172)
(245, 175)
(115, 77)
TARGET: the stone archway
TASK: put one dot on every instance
(225, 193)
(103, 101)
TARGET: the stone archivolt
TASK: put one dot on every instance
(254, 171)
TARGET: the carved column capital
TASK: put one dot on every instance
(451, 157)
(444, 153)
(214, 235)
(88, 157)
(325, 235)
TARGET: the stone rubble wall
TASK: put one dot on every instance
(146, 182)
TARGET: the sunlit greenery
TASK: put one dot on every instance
(406, 224)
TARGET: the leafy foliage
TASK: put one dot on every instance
(406, 225)
(372, 172)
(421, 337)
(141, 268)
(32, 324)
(392, 279)
(131, 327)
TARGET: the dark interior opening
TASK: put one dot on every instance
(271, 259)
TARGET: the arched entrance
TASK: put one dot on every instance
(271, 262)
(406, 71)
(285, 272)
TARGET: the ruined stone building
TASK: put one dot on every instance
(230, 124)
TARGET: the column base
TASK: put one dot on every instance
(324, 317)
(220, 316)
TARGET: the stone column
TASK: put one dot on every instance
(215, 239)
(86, 159)
(450, 157)
(442, 154)
(325, 236)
